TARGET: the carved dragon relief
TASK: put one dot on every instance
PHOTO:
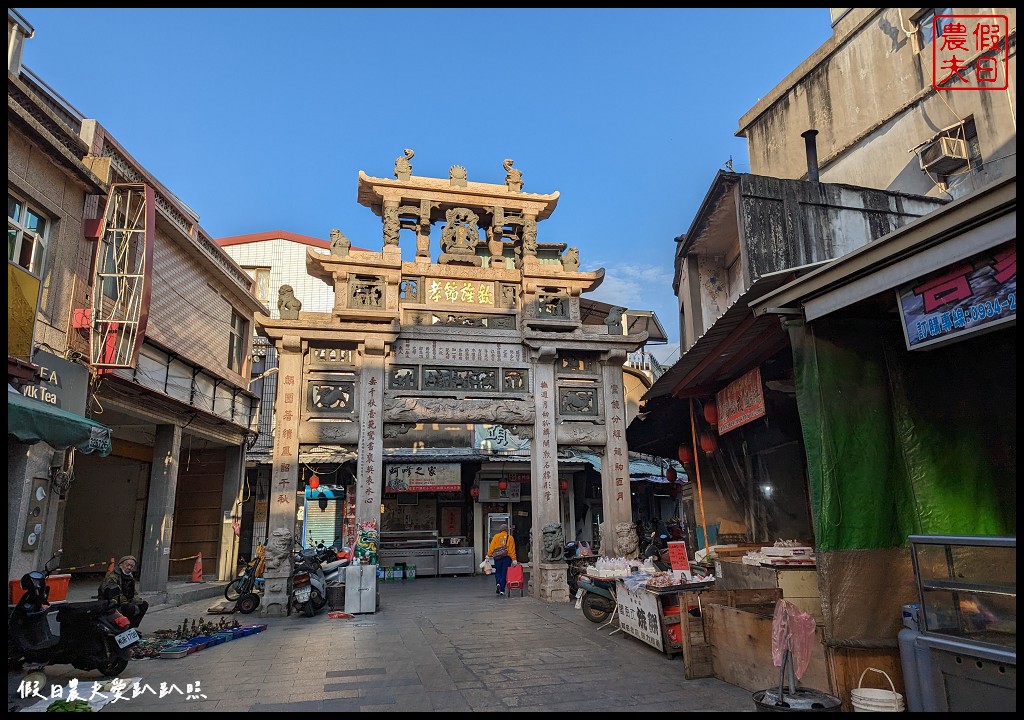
(466, 410)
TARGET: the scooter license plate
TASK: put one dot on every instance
(302, 594)
(129, 636)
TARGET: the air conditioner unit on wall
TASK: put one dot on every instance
(943, 155)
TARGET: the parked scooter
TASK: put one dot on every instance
(86, 635)
(309, 586)
(577, 564)
(597, 598)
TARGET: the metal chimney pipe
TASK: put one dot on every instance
(811, 148)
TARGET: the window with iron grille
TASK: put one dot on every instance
(27, 231)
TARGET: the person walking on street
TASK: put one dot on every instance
(502, 552)
(119, 586)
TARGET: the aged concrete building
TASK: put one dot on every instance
(419, 365)
(811, 384)
(154, 322)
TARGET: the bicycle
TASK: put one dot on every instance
(246, 583)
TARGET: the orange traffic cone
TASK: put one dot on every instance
(197, 569)
(110, 567)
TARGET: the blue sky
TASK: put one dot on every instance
(261, 119)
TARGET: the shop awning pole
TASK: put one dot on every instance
(696, 470)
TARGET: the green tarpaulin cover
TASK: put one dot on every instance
(32, 421)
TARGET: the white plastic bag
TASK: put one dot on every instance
(486, 567)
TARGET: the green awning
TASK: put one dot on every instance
(32, 421)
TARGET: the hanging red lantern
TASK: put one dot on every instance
(314, 482)
(563, 485)
(711, 412)
(671, 475)
(474, 492)
(685, 454)
(708, 442)
(503, 484)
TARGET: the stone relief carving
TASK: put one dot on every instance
(491, 322)
(574, 401)
(457, 176)
(508, 296)
(403, 168)
(571, 433)
(402, 378)
(392, 225)
(335, 396)
(571, 260)
(554, 542)
(513, 177)
(412, 410)
(411, 290)
(552, 306)
(331, 355)
(496, 233)
(441, 378)
(340, 245)
(460, 235)
(527, 247)
(614, 320)
(626, 540)
(575, 363)
(366, 292)
(522, 431)
(288, 305)
(514, 380)
(392, 430)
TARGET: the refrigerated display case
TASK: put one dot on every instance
(959, 646)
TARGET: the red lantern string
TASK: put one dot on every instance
(503, 484)
(314, 482)
(685, 454)
(711, 412)
(671, 475)
(708, 442)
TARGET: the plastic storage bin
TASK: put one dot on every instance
(58, 585)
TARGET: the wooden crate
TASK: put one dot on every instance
(697, 655)
(741, 650)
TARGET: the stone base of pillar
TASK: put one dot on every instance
(548, 582)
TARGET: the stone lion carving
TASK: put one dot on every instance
(625, 540)
(288, 305)
(279, 549)
(513, 177)
(571, 260)
(403, 168)
(340, 245)
(554, 542)
(614, 320)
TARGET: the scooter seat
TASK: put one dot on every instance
(71, 612)
(330, 567)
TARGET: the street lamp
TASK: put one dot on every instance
(271, 371)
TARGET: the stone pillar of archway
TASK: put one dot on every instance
(616, 500)
(284, 478)
(547, 575)
(369, 470)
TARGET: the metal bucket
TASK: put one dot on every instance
(803, 700)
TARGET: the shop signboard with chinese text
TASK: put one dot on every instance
(638, 614)
(972, 296)
(423, 477)
(740, 402)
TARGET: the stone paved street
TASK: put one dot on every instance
(436, 644)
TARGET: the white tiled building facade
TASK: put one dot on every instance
(277, 258)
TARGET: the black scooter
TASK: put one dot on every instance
(86, 635)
